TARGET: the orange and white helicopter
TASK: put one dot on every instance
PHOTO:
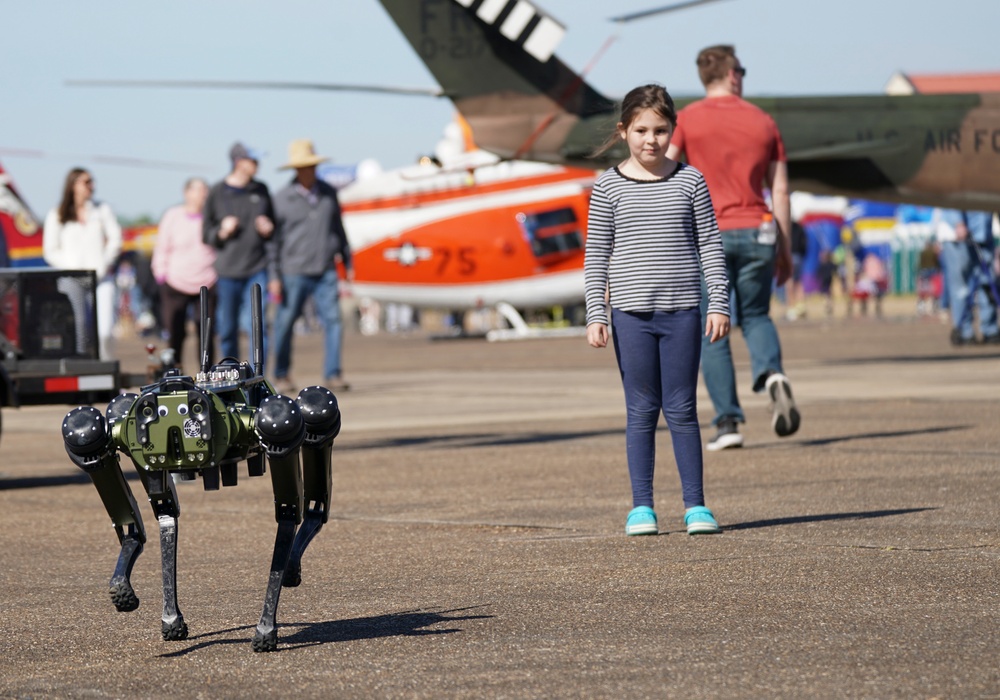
(465, 230)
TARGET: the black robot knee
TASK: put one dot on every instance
(85, 432)
(280, 425)
(321, 413)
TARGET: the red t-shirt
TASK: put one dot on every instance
(733, 144)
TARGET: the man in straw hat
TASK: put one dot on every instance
(311, 239)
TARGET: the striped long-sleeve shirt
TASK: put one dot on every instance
(648, 243)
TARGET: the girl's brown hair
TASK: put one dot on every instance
(652, 96)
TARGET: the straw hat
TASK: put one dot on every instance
(301, 154)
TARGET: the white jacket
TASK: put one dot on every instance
(94, 245)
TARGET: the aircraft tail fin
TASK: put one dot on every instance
(494, 59)
(20, 232)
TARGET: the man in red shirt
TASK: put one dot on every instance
(739, 150)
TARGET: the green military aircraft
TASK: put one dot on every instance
(494, 60)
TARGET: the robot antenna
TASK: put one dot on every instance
(206, 331)
(257, 329)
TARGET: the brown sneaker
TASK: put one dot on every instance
(336, 384)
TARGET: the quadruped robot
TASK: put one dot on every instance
(205, 426)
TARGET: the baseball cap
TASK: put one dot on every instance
(240, 151)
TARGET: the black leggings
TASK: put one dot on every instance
(174, 307)
(658, 354)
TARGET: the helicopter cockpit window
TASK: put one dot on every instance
(553, 234)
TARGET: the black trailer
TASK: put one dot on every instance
(48, 341)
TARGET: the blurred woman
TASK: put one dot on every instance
(182, 265)
(83, 234)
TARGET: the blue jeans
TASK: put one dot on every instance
(657, 355)
(750, 266)
(323, 290)
(960, 265)
(233, 309)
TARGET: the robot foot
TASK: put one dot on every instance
(175, 630)
(265, 642)
(123, 596)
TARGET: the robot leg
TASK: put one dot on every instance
(163, 497)
(90, 447)
(281, 429)
(322, 417)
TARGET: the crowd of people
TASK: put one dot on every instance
(225, 238)
(955, 265)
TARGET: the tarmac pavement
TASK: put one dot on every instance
(476, 547)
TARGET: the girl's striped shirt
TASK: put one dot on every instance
(648, 243)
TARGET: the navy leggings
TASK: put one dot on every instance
(658, 354)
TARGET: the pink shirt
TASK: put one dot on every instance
(180, 257)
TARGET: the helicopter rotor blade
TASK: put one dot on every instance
(126, 161)
(643, 14)
(260, 85)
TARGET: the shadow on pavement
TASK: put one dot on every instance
(823, 441)
(957, 356)
(479, 440)
(505, 439)
(34, 482)
(37, 482)
(411, 623)
(798, 519)
(819, 442)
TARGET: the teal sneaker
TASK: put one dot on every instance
(641, 521)
(700, 521)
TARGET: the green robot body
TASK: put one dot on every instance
(187, 426)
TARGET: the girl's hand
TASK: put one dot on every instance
(716, 327)
(597, 335)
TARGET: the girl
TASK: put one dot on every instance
(82, 234)
(651, 237)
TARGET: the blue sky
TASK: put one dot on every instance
(789, 47)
